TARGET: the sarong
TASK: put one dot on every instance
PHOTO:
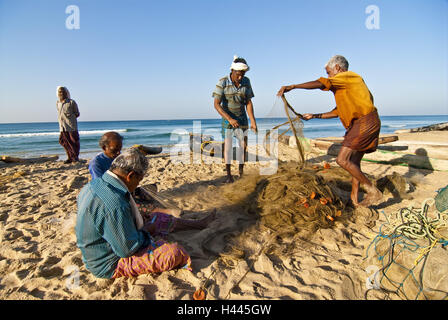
(70, 141)
(363, 133)
(162, 257)
(164, 222)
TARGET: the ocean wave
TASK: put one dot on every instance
(44, 134)
(393, 125)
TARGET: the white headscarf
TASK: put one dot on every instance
(68, 92)
(238, 66)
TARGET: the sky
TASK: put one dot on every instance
(148, 60)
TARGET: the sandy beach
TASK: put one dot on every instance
(236, 257)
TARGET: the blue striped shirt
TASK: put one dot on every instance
(233, 100)
(105, 227)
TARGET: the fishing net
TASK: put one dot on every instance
(442, 199)
(293, 203)
(410, 247)
(288, 206)
(293, 126)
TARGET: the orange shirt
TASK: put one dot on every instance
(353, 98)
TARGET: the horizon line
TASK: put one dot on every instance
(218, 118)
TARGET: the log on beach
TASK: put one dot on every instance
(421, 159)
(381, 140)
(434, 127)
(333, 144)
(8, 159)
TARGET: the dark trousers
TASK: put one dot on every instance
(70, 141)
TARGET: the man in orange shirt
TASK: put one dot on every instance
(355, 109)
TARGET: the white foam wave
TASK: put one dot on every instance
(395, 125)
(43, 134)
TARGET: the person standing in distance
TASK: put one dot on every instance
(68, 113)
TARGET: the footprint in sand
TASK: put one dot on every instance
(3, 216)
(47, 268)
(12, 234)
(22, 274)
(37, 293)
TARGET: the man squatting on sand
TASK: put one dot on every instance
(114, 238)
(68, 125)
(233, 95)
(355, 108)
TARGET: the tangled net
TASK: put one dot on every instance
(295, 126)
(292, 203)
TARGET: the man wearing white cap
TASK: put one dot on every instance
(232, 96)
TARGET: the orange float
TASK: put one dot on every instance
(199, 295)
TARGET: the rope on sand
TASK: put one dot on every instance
(406, 230)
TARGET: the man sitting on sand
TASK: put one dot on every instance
(111, 142)
(160, 221)
(355, 109)
(110, 232)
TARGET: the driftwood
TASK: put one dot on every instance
(9, 159)
(389, 157)
(148, 150)
(421, 159)
(381, 140)
(434, 127)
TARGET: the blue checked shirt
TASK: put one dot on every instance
(105, 227)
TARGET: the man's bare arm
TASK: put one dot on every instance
(224, 114)
(306, 85)
(327, 115)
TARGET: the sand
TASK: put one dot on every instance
(39, 258)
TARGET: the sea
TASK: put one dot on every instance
(28, 140)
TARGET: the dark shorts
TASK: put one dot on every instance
(363, 133)
(226, 127)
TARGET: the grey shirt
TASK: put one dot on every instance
(67, 114)
(233, 100)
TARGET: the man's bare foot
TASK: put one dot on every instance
(373, 196)
(174, 212)
(354, 200)
(229, 179)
